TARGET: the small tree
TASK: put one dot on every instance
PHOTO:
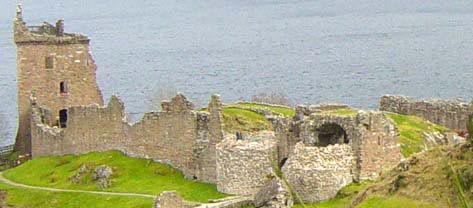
(469, 126)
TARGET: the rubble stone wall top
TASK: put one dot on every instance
(450, 113)
(182, 139)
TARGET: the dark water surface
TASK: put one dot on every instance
(314, 51)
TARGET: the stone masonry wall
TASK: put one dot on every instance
(378, 147)
(318, 173)
(243, 166)
(450, 113)
(71, 64)
(372, 137)
(177, 136)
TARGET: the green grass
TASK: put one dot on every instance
(237, 119)
(343, 198)
(280, 110)
(410, 130)
(27, 198)
(392, 202)
(342, 112)
(129, 175)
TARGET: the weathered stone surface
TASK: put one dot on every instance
(179, 103)
(70, 62)
(170, 199)
(243, 166)
(184, 139)
(371, 135)
(274, 194)
(450, 113)
(101, 176)
(318, 173)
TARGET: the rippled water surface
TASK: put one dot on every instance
(314, 51)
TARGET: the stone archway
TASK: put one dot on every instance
(329, 134)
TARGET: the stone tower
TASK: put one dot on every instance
(56, 68)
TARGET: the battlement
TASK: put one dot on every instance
(43, 34)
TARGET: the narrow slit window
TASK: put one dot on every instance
(49, 62)
(63, 118)
(63, 87)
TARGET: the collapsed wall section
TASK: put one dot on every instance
(450, 113)
(177, 136)
(318, 173)
(371, 136)
(377, 148)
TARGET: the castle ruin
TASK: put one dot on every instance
(61, 111)
(57, 68)
(450, 113)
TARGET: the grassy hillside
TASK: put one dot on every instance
(129, 175)
(278, 110)
(440, 177)
(342, 112)
(345, 197)
(26, 198)
(410, 130)
(237, 119)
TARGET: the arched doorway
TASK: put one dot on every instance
(330, 133)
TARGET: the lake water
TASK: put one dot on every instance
(314, 51)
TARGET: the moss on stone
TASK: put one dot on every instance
(342, 112)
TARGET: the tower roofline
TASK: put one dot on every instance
(43, 34)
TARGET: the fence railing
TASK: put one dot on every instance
(6, 149)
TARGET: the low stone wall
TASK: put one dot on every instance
(318, 173)
(450, 113)
(178, 136)
(243, 166)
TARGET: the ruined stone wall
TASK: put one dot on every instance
(71, 63)
(378, 148)
(177, 136)
(318, 173)
(450, 113)
(243, 166)
(371, 136)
